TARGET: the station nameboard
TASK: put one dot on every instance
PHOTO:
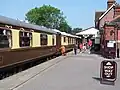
(108, 70)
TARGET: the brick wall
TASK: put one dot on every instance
(118, 35)
(118, 41)
(108, 17)
(108, 35)
(110, 3)
(117, 11)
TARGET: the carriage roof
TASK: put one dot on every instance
(13, 22)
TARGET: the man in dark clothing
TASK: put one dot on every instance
(75, 49)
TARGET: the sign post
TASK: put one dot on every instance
(108, 71)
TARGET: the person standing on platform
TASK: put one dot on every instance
(75, 49)
(84, 47)
(90, 44)
(80, 47)
(63, 50)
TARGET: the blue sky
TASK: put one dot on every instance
(79, 13)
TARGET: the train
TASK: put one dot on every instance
(23, 43)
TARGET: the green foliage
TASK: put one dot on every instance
(49, 17)
(64, 27)
(76, 30)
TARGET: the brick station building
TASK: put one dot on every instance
(108, 22)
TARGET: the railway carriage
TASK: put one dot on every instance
(66, 39)
(23, 44)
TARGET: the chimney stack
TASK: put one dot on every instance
(110, 3)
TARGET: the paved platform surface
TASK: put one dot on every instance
(71, 72)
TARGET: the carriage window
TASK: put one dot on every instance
(53, 38)
(43, 38)
(25, 39)
(69, 40)
(72, 40)
(5, 38)
(64, 39)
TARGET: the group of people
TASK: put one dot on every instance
(82, 47)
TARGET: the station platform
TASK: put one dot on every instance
(70, 72)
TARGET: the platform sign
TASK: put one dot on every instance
(110, 44)
(108, 70)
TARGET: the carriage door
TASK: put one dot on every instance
(58, 40)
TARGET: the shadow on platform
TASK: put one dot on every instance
(105, 82)
(96, 52)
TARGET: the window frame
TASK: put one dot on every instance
(25, 35)
(68, 40)
(42, 40)
(53, 40)
(7, 33)
(64, 39)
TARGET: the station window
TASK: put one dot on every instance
(43, 38)
(64, 39)
(25, 38)
(5, 38)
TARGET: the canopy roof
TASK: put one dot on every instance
(65, 34)
(89, 31)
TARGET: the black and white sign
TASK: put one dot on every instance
(108, 70)
(110, 44)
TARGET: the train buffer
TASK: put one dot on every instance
(70, 72)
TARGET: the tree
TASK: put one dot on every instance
(64, 27)
(76, 30)
(47, 16)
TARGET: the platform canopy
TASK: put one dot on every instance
(89, 31)
(65, 34)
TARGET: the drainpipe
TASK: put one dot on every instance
(117, 44)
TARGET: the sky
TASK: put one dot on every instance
(79, 13)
